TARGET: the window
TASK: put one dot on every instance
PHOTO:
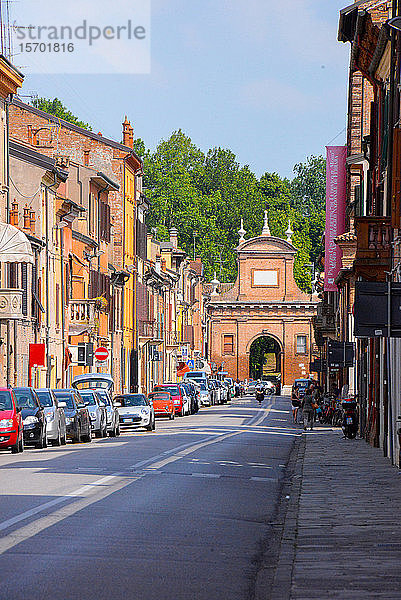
(265, 278)
(301, 344)
(228, 344)
(104, 221)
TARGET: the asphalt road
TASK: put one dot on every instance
(179, 514)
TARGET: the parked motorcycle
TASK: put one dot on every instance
(350, 418)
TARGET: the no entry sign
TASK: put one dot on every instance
(101, 354)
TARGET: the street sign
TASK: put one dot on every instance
(191, 364)
(101, 354)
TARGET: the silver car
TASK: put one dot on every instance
(97, 412)
(102, 384)
(55, 417)
(113, 421)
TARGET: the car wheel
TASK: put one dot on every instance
(113, 432)
(21, 444)
(41, 443)
(154, 424)
(172, 416)
(98, 434)
(16, 448)
(57, 441)
(118, 431)
(77, 438)
(64, 439)
(104, 431)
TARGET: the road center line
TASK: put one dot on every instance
(156, 462)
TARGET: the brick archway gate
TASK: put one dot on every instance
(264, 301)
(265, 357)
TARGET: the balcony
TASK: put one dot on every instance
(83, 316)
(373, 251)
(324, 322)
(11, 304)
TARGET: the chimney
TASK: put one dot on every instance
(27, 217)
(128, 133)
(32, 219)
(174, 237)
(14, 214)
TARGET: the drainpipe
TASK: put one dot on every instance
(62, 304)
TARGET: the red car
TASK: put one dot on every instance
(11, 425)
(163, 404)
(175, 391)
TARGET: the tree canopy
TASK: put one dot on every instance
(57, 108)
(205, 196)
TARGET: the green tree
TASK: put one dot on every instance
(308, 188)
(57, 108)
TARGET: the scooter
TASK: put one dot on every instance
(350, 419)
(260, 396)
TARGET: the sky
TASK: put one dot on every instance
(265, 78)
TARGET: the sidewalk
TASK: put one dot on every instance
(342, 529)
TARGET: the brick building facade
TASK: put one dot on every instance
(264, 302)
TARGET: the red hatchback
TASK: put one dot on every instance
(163, 404)
(11, 425)
(175, 391)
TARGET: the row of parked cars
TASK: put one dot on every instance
(38, 417)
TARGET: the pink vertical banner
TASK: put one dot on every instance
(335, 212)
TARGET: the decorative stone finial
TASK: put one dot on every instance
(241, 232)
(215, 283)
(289, 232)
(266, 230)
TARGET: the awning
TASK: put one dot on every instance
(14, 245)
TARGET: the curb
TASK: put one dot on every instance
(289, 508)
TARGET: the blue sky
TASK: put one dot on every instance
(265, 78)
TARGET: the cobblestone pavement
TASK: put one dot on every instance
(342, 529)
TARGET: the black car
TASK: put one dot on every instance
(77, 419)
(33, 416)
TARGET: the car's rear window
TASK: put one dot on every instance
(6, 402)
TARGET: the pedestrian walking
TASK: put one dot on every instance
(309, 405)
(295, 401)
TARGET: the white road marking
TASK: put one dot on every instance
(264, 479)
(207, 475)
(175, 454)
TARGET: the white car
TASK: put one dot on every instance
(186, 407)
(135, 410)
(204, 395)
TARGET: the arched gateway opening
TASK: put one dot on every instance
(264, 358)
